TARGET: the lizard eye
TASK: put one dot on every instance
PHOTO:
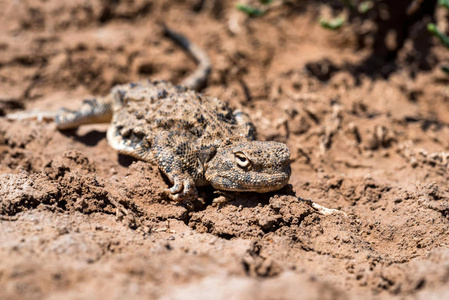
(241, 160)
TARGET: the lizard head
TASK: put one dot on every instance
(250, 166)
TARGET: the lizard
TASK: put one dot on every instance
(195, 140)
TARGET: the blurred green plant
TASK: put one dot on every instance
(362, 7)
(349, 4)
(444, 3)
(365, 7)
(250, 10)
(332, 24)
(433, 29)
(336, 23)
(445, 69)
(253, 11)
(444, 39)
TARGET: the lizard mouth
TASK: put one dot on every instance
(252, 182)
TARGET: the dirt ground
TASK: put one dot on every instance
(364, 111)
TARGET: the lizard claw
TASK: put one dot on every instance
(182, 189)
(176, 188)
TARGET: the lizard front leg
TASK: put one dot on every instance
(176, 158)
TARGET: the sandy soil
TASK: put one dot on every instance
(368, 132)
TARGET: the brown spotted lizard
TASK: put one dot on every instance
(195, 140)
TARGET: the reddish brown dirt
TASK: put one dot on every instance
(79, 221)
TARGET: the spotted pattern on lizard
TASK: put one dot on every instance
(195, 140)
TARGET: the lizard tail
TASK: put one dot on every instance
(197, 79)
(34, 115)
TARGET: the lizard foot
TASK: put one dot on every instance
(182, 189)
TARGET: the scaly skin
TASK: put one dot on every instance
(193, 139)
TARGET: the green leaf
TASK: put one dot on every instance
(266, 1)
(365, 6)
(445, 69)
(333, 24)
(444, 3)
(348, 3)
(249, 10)
(432, 28)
